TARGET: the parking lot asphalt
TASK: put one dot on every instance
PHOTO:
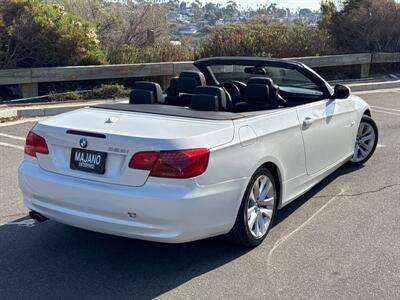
(339, 241)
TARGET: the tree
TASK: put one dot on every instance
(120, 24)
(183, 6)
(304, 12)
(364, 25)
(36, 34)
(328, 9)
(271, 9)
(210, 12)
(231, 9)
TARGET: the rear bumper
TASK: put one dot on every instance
(172, 211)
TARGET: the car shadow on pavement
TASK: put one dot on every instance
(53, 261)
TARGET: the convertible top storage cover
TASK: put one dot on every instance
(168, 110)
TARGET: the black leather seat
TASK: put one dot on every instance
(223, 101)
(259, 95)
(204, 102)
(181, 89)
(145, 92)
(275, 98)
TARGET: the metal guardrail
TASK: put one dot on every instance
(28, 79)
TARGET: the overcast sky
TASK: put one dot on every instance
(292, 4)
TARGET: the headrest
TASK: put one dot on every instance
(261, 80)
(204, 102)
(186, 84)
(200, 79)
(173, 100)
(172, 90)
(257, 93)
(214, 91)
(150, 86)
(141, 97)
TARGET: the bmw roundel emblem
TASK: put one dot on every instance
(83, 143)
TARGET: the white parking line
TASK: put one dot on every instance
(386, 108)
(394, 90)
(24, 223)
(11, 123)
(20, 138)
(386, 112)
(286, 237)
(11, 145)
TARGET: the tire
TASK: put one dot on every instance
(365, 148)
(241, 232)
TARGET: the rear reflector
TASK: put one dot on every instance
(172, 164)
(35, 144)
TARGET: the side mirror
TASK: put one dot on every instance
(341, 92)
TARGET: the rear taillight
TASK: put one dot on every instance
(35, 144)
(144, 160)
(172, 164)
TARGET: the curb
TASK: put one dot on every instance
(55, 109)
(45, 111)
(369, 86)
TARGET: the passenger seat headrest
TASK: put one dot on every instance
(141, 97)
(186, 84)
(214, 91)
(204, 102)
(257, 93)
(172, 90)
(198, 76)
(274, 98)
(153, 87)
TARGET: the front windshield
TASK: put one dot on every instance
(281, 76)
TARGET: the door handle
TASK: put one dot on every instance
(308, 122)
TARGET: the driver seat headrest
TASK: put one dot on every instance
(261, 80)
(257, 93)
(198, 76)
(273, 95)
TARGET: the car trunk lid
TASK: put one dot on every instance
(120, 135)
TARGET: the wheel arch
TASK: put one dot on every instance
(367, 112)
(274, 169)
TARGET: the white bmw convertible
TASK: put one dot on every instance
(218, 153)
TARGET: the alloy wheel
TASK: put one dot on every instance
(364, 142)
(260, 206)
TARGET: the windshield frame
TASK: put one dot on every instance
(204, 66)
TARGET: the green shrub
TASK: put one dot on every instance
(64, 96)
(72, 96)
(104, 91)
(262, 38)
(36, 34)
(163, 51)
(108, 91)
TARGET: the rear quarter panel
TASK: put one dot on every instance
(277, 139)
